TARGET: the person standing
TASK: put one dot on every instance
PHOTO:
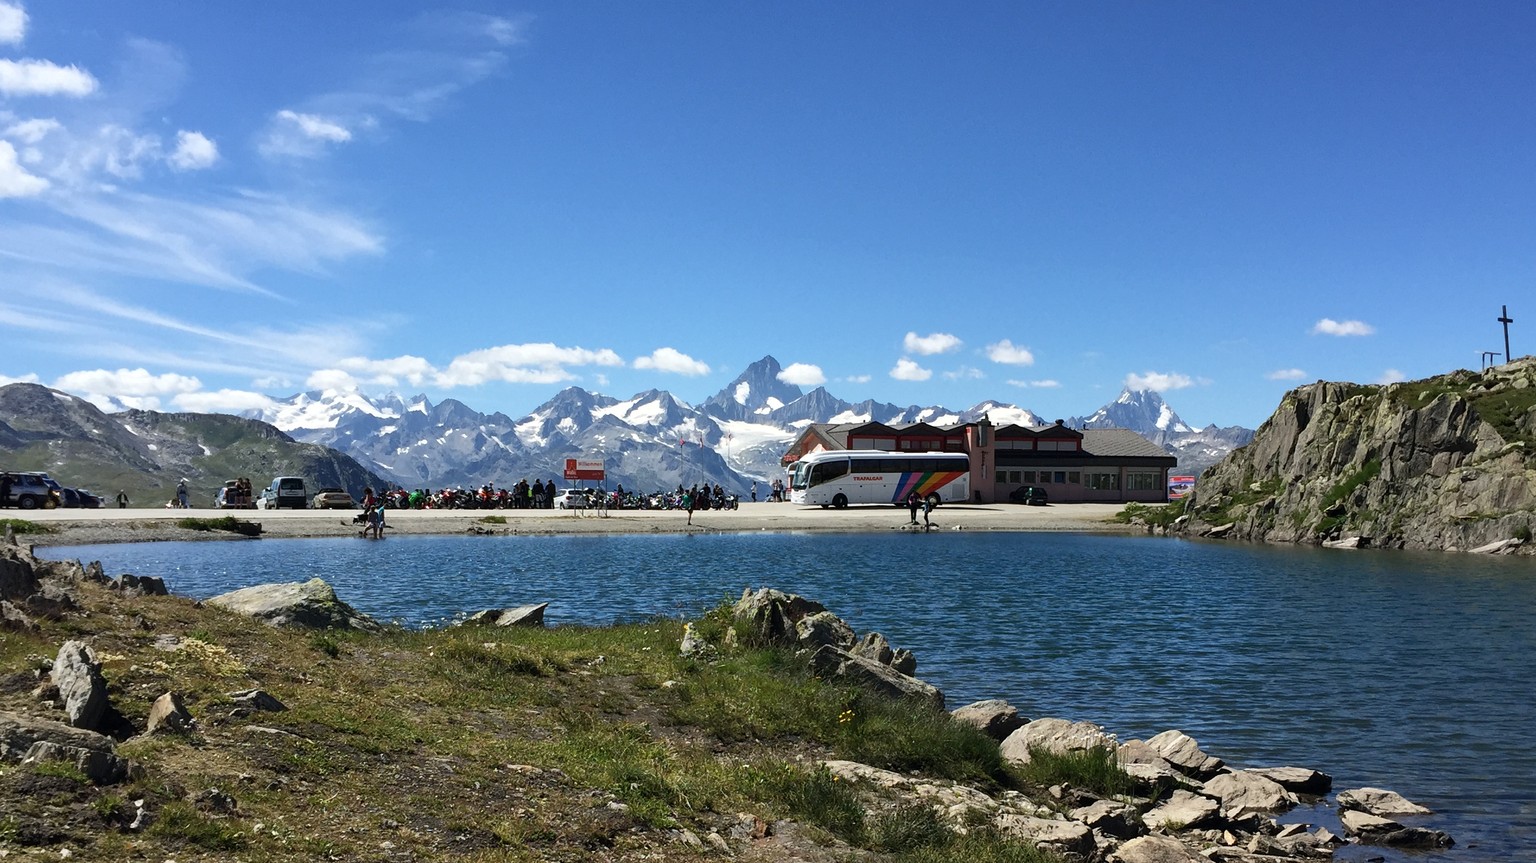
(181, 494)
(754, 491)
(912, 506)
(5, 490)
(927, 508)
(122, 499)
(688, 497)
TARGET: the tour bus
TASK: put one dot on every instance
(841, 477)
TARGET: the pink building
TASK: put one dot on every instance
(1108, 465)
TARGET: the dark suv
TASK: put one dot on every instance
(32, 490)
(1032, 495)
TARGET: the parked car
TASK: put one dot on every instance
(69, 498)
(333, 498)
(89, 499)
(284, 492)
(1031, 495)
(33, 490)
(571, 498)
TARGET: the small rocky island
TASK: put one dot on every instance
(277, 722)
(1445, 463)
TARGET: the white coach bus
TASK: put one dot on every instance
(842, 477)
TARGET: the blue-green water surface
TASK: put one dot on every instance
(1414, 672)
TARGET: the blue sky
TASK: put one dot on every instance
(204, 205)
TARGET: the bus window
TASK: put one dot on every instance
(828, 470)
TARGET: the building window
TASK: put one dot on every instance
(1103, 481)
(1029, 476)
(1143, 481)
(1059, 477)
(1074, 477)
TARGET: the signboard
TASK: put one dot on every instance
(1179, 486)
(583, 469)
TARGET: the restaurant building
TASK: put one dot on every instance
(1093, 465)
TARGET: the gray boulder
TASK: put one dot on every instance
(773, 614)
(831, 661)
(310, 604)
(1181, 750)
(1112, 818)
(1244, 793)
(522, 615)
(1149, 766)
(1155, 849)
(1298, 780)
(30, 740)
(1376, 830)
(1055, 735)
(824, 628)
(140, 585)
(168, 715)
(14, 619)
(18, 577)
(1379, 801)
(1182, 810)
(257, 699)
(82, 689)
(1048, 834)
(994, 717)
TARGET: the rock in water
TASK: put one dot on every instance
(994, 717)
(311, 604)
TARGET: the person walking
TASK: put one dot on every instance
(122, 499)
(927, 508)
(5, 490)
(912, 500)
(688, 503)
(181, 494)
(754, 491)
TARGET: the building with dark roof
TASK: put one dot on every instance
(1106, 465)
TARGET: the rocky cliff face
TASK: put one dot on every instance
(1443, 463)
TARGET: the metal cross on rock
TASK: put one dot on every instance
(1506, 320)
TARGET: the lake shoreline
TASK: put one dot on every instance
(69, 527)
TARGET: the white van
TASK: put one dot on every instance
(284, 492)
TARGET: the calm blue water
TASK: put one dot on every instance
(1410, 672)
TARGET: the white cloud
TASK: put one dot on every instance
(330, 379)
(859, 379)
(802, 375)
(964, 373)
(1158, 381)
(24, 379)
(1286, 375)
(1008, 353)
(389, 372)
(31, 131)
(292, 133)
(671, 360)
(536, 363)
(1391, 376)
(135, 388)
(1040, 384)
(193, 151)
(13, 24)
(936, 343)
(15, 182)
(222, 401)
(907, 370)
(43, 78)
(1331, 327)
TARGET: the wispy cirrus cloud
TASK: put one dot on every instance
(1391, 376)
(1286, 375)
(1331, 327)
(964, 373)
(1046, 383)
(929, 345)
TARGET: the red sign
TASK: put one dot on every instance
(582, 469)
(1180, 486)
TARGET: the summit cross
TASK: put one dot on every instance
(1506, 320)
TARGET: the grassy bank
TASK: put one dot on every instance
(511, 744)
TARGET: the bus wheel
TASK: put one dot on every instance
(933, 501)
(841, 502)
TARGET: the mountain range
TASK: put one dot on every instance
(655, 440)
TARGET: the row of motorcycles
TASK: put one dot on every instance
(489, 497)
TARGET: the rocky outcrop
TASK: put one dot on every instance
(310, 604)
(522, 615)
(832, 661)
(82, 690)
(1443, 463)
(1055, 735)
(168, 715)
(28, 740)
(993, 717)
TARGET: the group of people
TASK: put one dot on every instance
(373, 515)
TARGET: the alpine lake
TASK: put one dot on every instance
(1413, 672)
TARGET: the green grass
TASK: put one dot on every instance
(228, 522)
(181, 822)
(494, 519)
(1157, 515)
(21, 526)
(1090, 769)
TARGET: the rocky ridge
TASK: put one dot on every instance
(1448, 463)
